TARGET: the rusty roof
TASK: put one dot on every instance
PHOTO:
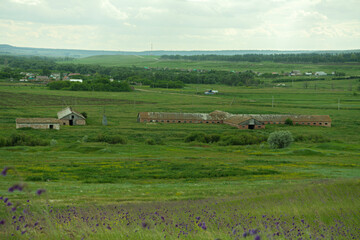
(237, 119)
(233, 118)
(37, 120)
(175, 116)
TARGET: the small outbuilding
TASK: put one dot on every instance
(67, 116)
(38, 123)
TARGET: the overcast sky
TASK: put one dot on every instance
(132, 25)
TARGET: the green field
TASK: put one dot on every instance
(313, 180)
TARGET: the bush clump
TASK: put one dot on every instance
(313, 138)
(110, 139)
(22, 140)
(243, 139)
(202, 137)
(280, 139)
(154, 141)
(288, 121)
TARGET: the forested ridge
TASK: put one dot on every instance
(283, 58)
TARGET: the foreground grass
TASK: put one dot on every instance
(313, 209)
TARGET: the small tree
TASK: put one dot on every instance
(280, 139)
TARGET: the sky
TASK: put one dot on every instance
(141, 25)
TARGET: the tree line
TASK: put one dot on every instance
(165, 78)
(281, 58)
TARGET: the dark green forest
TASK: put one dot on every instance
(278, 58)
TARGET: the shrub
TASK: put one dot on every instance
(53, 142)
(315, 138)
(154, 141)
(84, 114)
(85, 138)
(150, 141)
(202, 137)
(110, 139)
(115, 139)
(3, 142)
(280, 139)
(25, 140)
(288, 121)
(243, 139)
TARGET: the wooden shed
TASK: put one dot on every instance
(67, 116)
(38, 123)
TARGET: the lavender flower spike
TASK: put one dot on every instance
(4, 171)
(40, 191)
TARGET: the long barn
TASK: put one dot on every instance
(241, 121)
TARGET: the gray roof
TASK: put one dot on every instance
(37, 120)
(66, 111)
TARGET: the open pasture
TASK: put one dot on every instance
(310, 188)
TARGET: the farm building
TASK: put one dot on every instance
(241, 121)
(214, 117)
(67, 116)
(38, 123)
(244, 122)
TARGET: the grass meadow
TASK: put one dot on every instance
(157, 186)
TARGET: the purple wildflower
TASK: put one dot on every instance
(5, 200)
(257, 237)
(108, 227)
(2, 222)
(144, 224)
(40, 191)
(162, 218)
(13, 209)
(17, 186)
(202, 225)
(9, 204)
(4, 171)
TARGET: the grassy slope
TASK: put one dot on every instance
(77, 172)
(176, 168)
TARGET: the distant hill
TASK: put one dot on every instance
(6, 49)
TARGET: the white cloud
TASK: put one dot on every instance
(27, 2)
(112, 10)
(180, 24)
